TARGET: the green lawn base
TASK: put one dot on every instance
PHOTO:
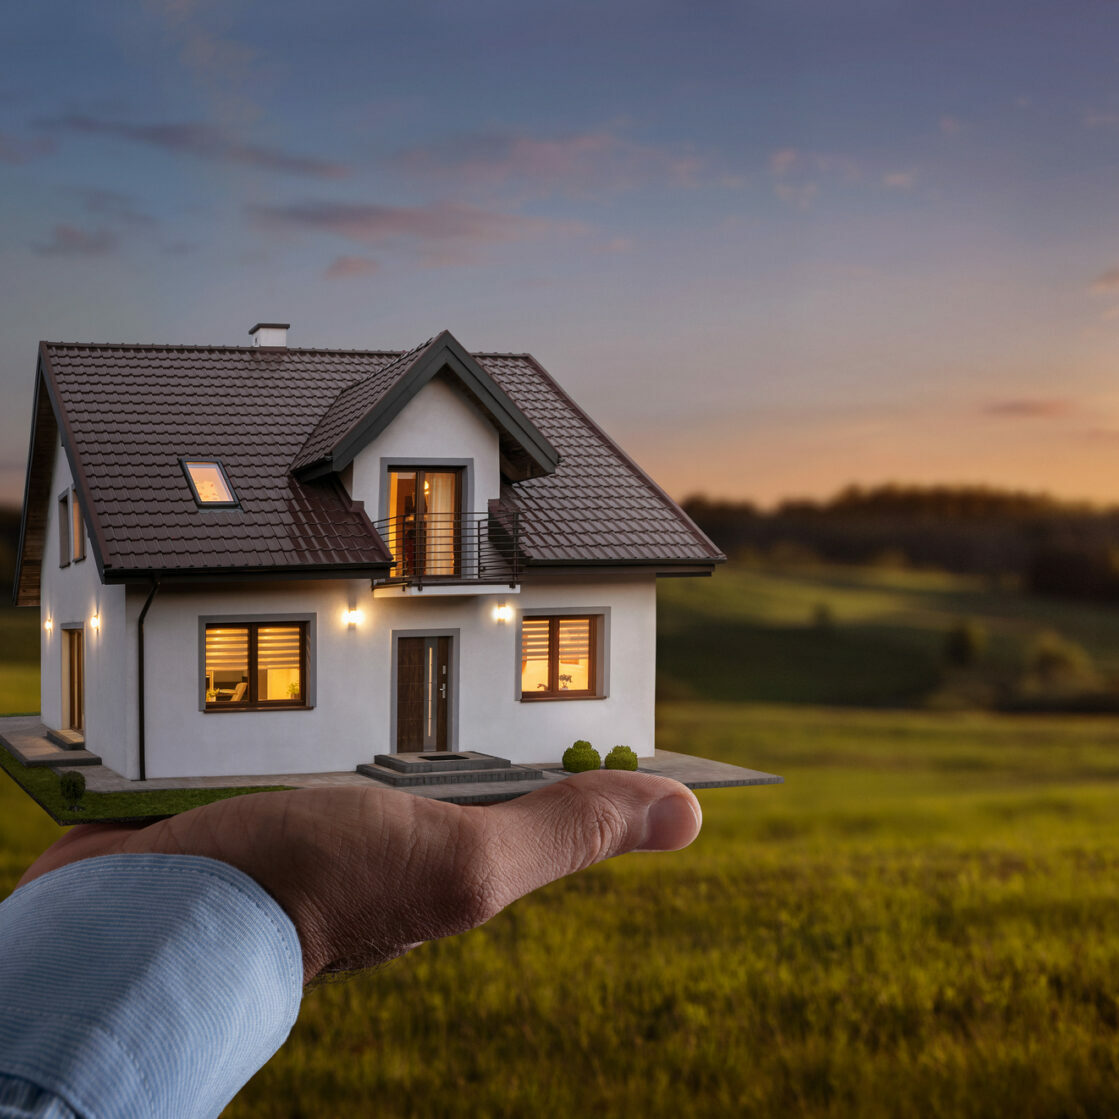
(41, 784)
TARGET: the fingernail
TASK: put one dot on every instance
(671, 823)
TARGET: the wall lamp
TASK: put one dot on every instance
(503, 613)
(48, 625)
(353, 617)
(95, 622)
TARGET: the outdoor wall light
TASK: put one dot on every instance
(48, 625)
(503, 613)
(353, 617)
(95, 622)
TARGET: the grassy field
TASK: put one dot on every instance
(923, 921)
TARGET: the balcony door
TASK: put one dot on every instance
(423, 684)
(425, 534)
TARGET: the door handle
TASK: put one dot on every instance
(442, 691)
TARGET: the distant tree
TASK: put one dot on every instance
(1055, 661)
(964, 643)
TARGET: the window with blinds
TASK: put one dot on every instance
(558, 656)
(256, 664)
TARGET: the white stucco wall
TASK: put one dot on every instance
(352, 717)
(438, 424)
(70, 597)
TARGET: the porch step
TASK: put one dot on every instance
(439, 761)
(67, 739)
(457, 776)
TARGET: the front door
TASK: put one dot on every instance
(73, 684)
(423, 684)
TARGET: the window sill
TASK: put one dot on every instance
(556, 698)
(241, 710)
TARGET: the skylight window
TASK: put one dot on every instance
(208, 482)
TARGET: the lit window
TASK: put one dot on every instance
(256, 665)
(64, 530)
(208, 482)
(559, 657)
(78, 527)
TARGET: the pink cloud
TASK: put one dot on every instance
(579, 164)
(346, 267)
(1106, 283)
(14, 149)
(68, 240)
(203, 141)
(444, 232)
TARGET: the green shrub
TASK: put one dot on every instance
(581, 756)
(823, 617)
(964, 643)
(72, 787)
(621, 757)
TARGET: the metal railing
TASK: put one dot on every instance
(452, 547)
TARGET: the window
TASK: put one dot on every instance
(425, 529)
(208, 482)
(64, 530)
(559, 657)
(254, 665)
(77, 527)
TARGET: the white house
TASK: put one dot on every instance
(261, 559)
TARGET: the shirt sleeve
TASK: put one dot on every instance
(141, 985)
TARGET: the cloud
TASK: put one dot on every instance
(345, 267)
(616, 245)
(203, 141)
(1100, 120)
(113, 204)
(1106, 283)
(68, 240)
(15, 149)
(444, 231)
(800, 196)
(579, 164)
(796, 174)
(949, 125)
(1029, 408)
(899, 180)
(781, 162)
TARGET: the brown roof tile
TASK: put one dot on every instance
(133, 411)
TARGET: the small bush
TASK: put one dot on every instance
(964, 643)
(581, 756)
(1054, 659)
(72, 787)
(823, 618)
(621, 757)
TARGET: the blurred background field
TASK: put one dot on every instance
(923, 921)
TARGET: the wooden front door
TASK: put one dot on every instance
(423, 685)
(73, 691)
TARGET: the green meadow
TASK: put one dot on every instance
(923, 921)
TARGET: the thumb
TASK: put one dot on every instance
(585, 819)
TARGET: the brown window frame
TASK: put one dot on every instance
(64, 545)
(251, 702)
(554, 692)
(419, 525)
(186, 462)
(77, 529)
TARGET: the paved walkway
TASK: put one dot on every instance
(25, 737)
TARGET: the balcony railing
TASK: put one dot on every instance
(452, 547)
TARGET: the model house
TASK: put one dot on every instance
(262, 559)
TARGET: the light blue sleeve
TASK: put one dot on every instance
(141, 985)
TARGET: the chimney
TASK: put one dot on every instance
(270, 334)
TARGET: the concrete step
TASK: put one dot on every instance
(397, 779)
(67, 739)
(439, 761)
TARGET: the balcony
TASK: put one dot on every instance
(446, 552)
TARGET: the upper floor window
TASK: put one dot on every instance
(208, 482)
(559, 656)
(64, 530)
(77, 526)
(425, 523)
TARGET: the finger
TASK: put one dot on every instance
(581, 820)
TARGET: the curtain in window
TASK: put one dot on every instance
(439, 523)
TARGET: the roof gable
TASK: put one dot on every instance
(363, 410)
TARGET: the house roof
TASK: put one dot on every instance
(282, 421)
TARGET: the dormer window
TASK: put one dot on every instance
(208, 483)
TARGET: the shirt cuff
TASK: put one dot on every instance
(145, 984)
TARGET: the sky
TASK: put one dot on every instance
(773, 247)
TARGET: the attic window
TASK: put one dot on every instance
(208, 482)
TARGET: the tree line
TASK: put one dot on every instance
(1049, 545)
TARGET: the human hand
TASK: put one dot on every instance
(366, 873)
